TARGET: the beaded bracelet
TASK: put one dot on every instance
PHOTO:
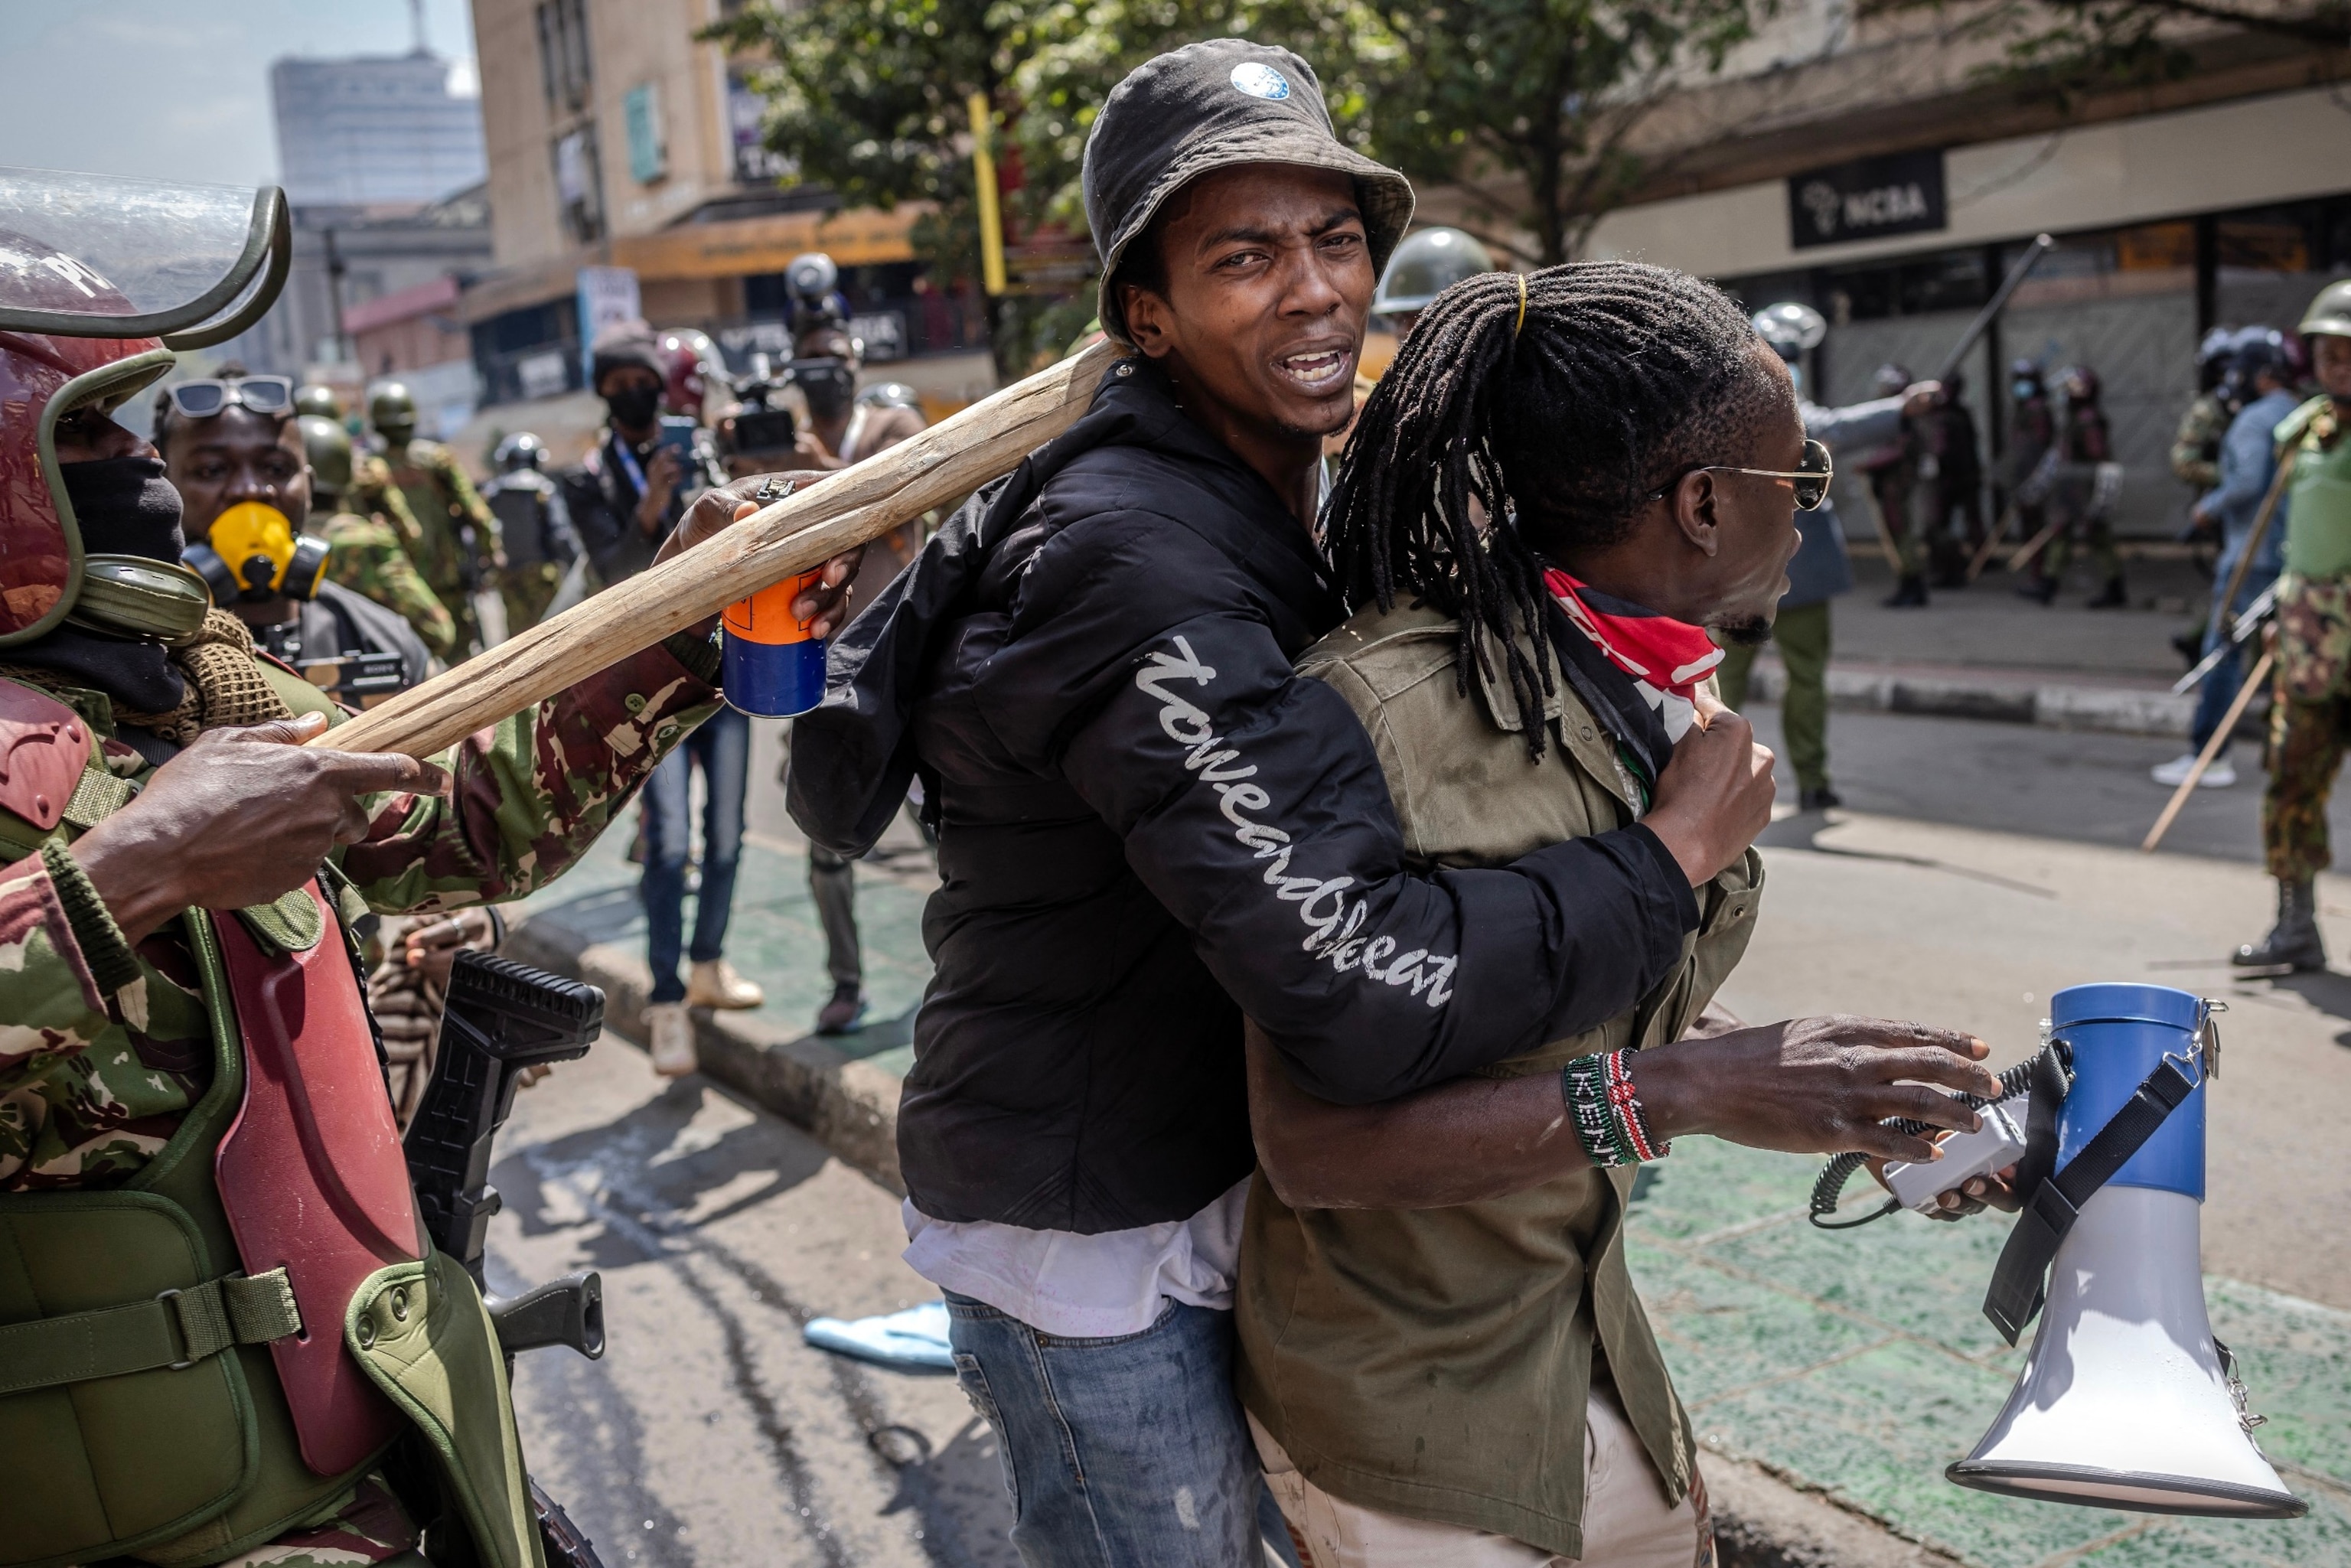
(1606, 1110)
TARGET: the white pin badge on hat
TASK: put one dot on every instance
(1261, 80)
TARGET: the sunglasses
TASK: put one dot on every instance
(1810, 478)
(262, 394)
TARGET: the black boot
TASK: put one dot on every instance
(1819, 797)
(2112, 596)
(2294, 942)
(1910, 593)
(2043, 589)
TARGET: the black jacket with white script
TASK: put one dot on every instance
(1149, 826)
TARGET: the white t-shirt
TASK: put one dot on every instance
(1084, 1287)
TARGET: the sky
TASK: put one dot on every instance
(171, 90)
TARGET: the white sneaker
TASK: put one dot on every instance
(671, 1030)
(716, 985)
(2174, 773)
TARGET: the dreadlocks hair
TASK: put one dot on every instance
(1622, 377)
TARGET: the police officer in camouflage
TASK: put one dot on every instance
(224, 1337)
(369, 554)
(2310, 721)
(457, 549)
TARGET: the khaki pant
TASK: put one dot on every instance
(1626, 1523)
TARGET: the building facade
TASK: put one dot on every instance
(375, 130)
(1864, 161)
(615, 140)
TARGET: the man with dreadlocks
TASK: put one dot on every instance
(1149, 823)
(1443, 1357)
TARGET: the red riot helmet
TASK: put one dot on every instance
(690, 362)
(101, 279)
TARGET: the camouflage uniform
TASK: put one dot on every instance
(2310, 723)
(107, 1048)
(2196, 449)
(371, 559)
(447, 507)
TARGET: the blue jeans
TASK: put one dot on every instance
(723, 746)
(1127, 1452)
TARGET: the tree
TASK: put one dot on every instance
(2069, 47)
(1527, 108)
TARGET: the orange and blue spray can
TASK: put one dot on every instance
(773, 668)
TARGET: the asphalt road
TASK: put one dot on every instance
(710, 1433)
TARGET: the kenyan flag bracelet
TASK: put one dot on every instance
(1606, 1112)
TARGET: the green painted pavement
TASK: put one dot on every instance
(1857, 1364)
(773, 937)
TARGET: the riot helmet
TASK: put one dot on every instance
(812, 282)
(2024, 380)
(392, 412)
(690, 362)
(317, 401)
(521, 450)
(101, 279)
(2079, 383)
(1890, 380)
(1426, 264)
(2255, 350)
(1791, 329)
(2213, 356)
(891, 395)
(2329, 315)
(329, 447)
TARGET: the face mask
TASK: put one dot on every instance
(634, 408)
(828, 389)
(2023, 392)
(124, 505)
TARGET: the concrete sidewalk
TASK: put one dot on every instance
(1831, 1377)
(1982, 653)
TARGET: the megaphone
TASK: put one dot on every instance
(2126, 1400)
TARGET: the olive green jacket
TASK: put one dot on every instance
(1436, 1363)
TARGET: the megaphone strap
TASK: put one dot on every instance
(2020, 1280)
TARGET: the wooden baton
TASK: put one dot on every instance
(796, 534)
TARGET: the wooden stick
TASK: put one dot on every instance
(2211, 749)
(2227, 602)
(1998, 531)
(942, 464)
(2024, 553)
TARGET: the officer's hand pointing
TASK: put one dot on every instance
(237, 819)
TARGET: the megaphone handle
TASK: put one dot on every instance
(2019, 1279)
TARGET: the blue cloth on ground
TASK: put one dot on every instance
(912, 1340)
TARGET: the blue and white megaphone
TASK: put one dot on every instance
(2128, 1401)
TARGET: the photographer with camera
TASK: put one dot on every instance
(843, 427)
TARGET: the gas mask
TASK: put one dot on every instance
(254, 554)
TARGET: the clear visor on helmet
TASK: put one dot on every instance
(98, 255)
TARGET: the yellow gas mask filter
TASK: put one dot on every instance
(254, 553)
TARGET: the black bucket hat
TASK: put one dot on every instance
(1210, 106)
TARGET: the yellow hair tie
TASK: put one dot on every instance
(1522, 321)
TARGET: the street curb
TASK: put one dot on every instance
(2114, 710)
(849, 1106)
(1761, 1522)
(852, 1108)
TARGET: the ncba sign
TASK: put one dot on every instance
(1866, 199)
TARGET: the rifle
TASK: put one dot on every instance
(501, 1018)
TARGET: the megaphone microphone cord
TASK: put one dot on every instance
(1830, 1187)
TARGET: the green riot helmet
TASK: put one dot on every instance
(329, 447)
(2329, 315)
(317, 402)
(392, 412)
(1426, 263)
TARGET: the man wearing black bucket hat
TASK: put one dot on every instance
(1149, 824)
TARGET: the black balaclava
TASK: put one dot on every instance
(634, 408)
(123, 506)
(829, 386)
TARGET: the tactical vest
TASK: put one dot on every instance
(195, 1360)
